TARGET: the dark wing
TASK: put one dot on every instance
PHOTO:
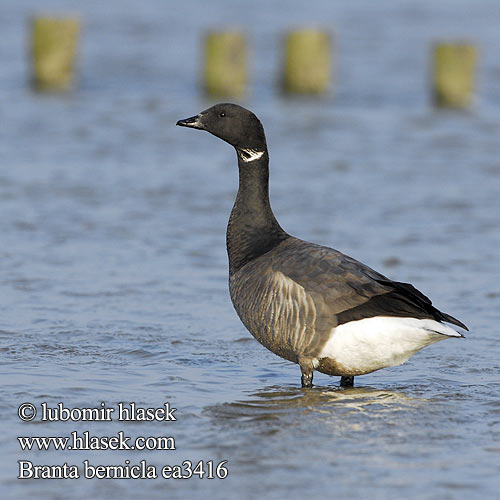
(403, 300)
(348, 290)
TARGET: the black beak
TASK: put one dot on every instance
(193, 122)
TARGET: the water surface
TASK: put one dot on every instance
(113, 272)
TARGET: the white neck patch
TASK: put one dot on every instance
(248, 155)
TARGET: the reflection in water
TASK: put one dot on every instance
(327, 429)
(349, 409)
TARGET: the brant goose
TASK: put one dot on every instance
(308, 303)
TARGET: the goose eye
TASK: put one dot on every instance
(222, 114)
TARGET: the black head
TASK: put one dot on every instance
(231, 123)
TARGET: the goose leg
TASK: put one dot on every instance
(346, 381)
(307, 369)
(307, 379)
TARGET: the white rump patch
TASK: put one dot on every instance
(248, 155)
(369, 344)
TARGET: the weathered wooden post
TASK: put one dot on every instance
(454, 66)
(308, 61)
(225, 70)
(53, 50)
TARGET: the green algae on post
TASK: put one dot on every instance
(53, 50)
(307, 64)
(225, 66)
(454, 66)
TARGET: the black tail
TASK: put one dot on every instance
(416, 297)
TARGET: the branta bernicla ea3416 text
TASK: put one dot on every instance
(308, 303)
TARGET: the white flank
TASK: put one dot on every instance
(250, 154)
(369, 344)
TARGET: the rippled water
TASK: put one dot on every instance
(113, 273)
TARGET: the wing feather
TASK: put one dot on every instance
(345, 289)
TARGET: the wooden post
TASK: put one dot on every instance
(225, 71)
(53, 50)
(454, 74)
(307, 65)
